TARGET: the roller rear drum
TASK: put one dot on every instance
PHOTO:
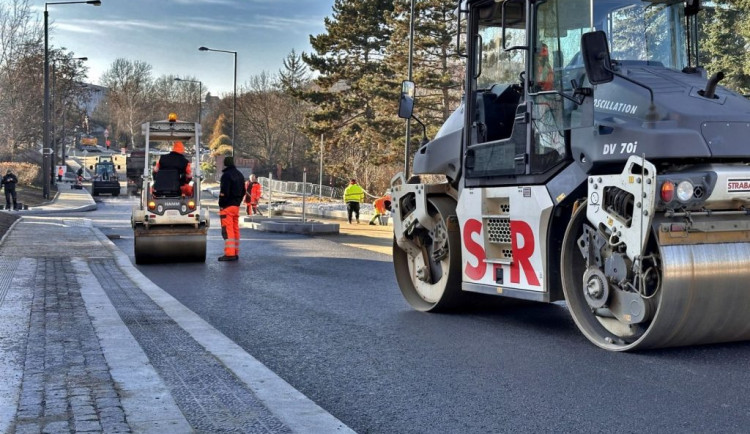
(167, 245)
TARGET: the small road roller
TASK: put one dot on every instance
(169, 224)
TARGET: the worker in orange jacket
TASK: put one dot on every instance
(381, 205)
(253, 192)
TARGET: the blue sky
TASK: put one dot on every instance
(167, 33)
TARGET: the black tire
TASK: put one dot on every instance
(443, 293)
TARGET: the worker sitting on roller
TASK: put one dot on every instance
(175, 160)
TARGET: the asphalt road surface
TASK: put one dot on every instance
(329, 319)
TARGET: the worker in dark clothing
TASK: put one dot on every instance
(231, 192)
(9, 183)
(177, 161)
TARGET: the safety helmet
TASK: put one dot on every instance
(178, 147)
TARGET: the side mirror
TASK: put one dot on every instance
(406, 101)
(595, 51)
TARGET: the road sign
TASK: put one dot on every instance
(106, 134)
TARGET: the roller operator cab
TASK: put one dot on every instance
(591, 161)
(169, 223)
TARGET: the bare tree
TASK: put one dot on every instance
(130, 86)
(21, 53)
(266, 118)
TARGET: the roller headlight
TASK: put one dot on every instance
(685, 191)
(160, 209)
(183, 208)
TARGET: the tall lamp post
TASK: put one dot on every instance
(45, 137)
(200, 96)
(234, 98)
(410, 73)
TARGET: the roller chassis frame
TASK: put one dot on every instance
(171, 217)
(404, 221)
(648, 242)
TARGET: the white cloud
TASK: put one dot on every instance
(77, 28)
(282, 24)
(205, 2)
(97, 26)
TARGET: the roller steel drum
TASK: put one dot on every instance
(704, 296)
(169, 244)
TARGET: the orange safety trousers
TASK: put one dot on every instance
(230, 229)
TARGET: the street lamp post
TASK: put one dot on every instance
(200, 95)
(410, 73)
(45, 134)
(320, 176)
(234, 98)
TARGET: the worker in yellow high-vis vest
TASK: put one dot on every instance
(353, 195)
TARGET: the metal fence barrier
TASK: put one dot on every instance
(300, 188)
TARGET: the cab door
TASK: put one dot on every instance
(517, 138)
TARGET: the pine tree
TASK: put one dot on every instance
(725, 41)
(294, 76)
(348, 59)
(437, 70)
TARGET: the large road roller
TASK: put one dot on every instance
(592, 160)
(169, 224)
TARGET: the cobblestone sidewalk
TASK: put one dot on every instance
(85, 348)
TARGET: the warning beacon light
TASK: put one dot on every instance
(172, 117)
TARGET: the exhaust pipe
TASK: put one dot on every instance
(711, 85)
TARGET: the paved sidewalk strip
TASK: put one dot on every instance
(211, 398)
(18, 275)
(66, 382)
(148, 403)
